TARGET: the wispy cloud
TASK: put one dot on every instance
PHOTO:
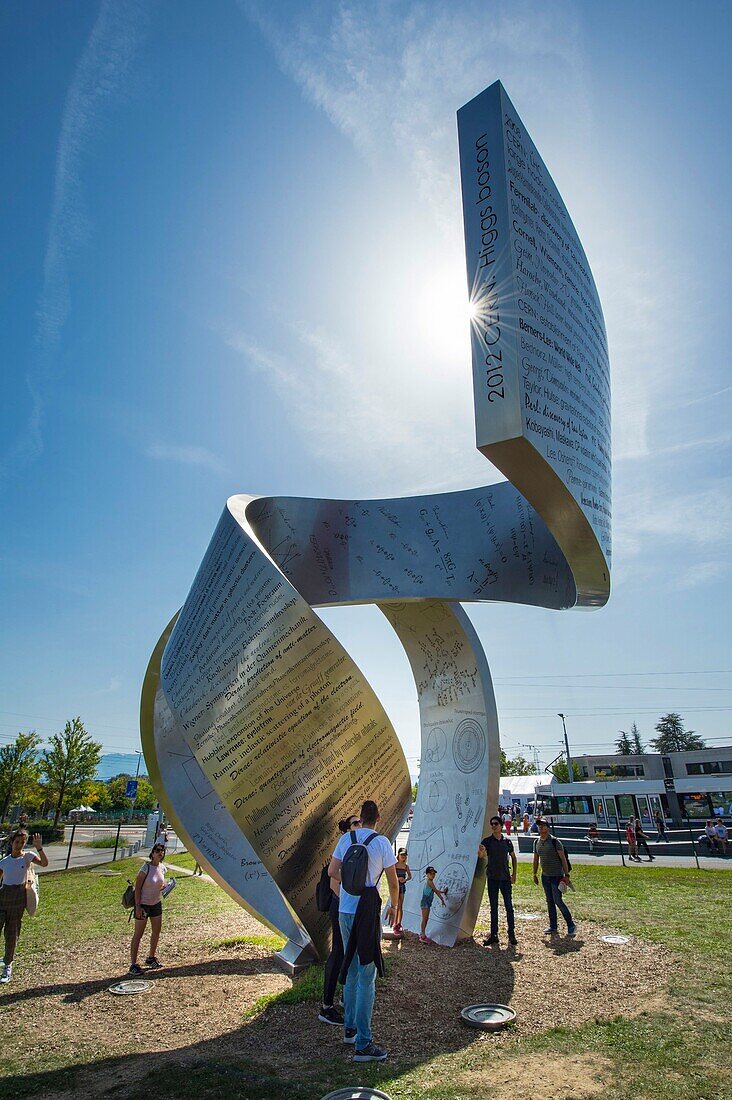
(680, 525)
(703, 572)
(111, 688)
(187, 455)
(316, 385)
(390, 77)
(98, 78)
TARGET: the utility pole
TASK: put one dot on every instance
(137, 776)
(535, 751)
(566, 745)
(537, 771)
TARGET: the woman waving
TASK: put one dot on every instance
(14, 870)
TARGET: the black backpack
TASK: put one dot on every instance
(323, 892)
(355, 866)
(128, 897)
(566, 854)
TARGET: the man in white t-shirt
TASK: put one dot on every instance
(359, 990)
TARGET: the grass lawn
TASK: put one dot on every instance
(677, 1047)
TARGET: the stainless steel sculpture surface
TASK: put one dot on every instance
(259, 731)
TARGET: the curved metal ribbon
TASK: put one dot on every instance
(259, 730)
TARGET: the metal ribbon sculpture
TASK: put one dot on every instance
(259, 731)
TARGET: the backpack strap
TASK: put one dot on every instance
(554, 842)
(368, 839)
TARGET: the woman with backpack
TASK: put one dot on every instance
(329, 1014)
(149, 886)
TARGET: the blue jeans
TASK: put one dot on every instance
(554, 901)
(359, 990)
(503, 886)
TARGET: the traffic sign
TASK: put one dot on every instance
(131, 788)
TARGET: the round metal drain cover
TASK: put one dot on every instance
(358, 1093)
(134, 985)
(616, 941)
(488, 1017)
(528, 916)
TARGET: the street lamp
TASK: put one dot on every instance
(566, 745)
(137, 776)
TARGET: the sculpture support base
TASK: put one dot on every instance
(294, 958)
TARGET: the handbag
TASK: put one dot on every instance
(32, 895)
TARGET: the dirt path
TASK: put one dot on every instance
(198, 1006)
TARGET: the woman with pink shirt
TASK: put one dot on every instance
(148, 903)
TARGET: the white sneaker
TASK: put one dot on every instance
(7, 973)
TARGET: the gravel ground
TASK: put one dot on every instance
(548, 982)
(198, 1004)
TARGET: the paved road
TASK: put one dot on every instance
(82, 856)
(613, 860)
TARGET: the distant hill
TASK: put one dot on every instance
(115, 763)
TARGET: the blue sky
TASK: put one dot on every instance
(233, 263)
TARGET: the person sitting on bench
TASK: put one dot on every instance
(710, 835)
(593, 837)
(720, 831)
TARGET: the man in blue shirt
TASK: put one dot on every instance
(359, 990)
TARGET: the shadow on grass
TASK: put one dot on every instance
(283, 1052)
(75, 992)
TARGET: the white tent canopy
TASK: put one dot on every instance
(522, 788)
(83, 810)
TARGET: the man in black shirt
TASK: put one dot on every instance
(497, 849)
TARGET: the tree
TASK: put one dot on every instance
(19, 767)
(71, 764)
(560, 769)
(624, 744)
(146, 797)
(517, 765)
(672, 737)
(638, 748)
(99, 796)
(31, 796)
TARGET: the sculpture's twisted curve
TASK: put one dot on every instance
(259, 730)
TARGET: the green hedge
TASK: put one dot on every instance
(47, 829)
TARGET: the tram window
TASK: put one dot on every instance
(695, 805)
(567, 804)
(721, 803)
